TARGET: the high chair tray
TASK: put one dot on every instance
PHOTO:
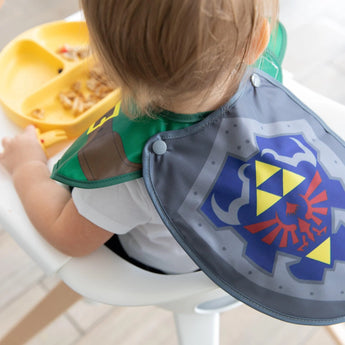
(44, 62)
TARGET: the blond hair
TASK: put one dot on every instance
(160, 50)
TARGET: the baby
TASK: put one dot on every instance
(176, 61)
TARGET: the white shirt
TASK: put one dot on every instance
(126, 209)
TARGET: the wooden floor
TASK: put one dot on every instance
(316, 57)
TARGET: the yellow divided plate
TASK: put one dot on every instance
(33, 73)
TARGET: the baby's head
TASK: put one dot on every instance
(165, 51)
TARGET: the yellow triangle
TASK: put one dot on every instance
(265, 200)
(291, 181)
(322, 253)
(264, 171)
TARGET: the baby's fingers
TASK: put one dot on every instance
(31, 129)
(6, 142)
(30, 132)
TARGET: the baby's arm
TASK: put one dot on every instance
(48, 204)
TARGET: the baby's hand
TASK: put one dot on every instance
(21, 150)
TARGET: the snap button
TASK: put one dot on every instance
(159, 147)
(255, 80)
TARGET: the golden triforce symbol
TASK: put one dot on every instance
(322, 253)
(264, 171)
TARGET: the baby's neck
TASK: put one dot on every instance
(192, 107)
(201, 102)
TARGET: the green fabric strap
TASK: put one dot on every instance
(271, 60)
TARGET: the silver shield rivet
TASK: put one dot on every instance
(255, 80)
(159, 147)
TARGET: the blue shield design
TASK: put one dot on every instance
(281, 200)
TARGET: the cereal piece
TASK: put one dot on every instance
(96, 72)
(102, 91)
(92, 98)
(78, 106)
(38, 114)
(88, 105)
(65, 101)
(83, 53)
(70, 55)
(63, 49)
(72, 94)
(73, 53)
(76, 86)
(92, 84)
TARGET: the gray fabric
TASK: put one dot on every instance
(289, 274)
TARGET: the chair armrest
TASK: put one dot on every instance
(105, 277)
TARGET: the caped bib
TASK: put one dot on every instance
(258, 202)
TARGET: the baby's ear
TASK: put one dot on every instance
(260, 42)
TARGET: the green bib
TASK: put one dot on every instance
(109, 152)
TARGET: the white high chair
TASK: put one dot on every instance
(105, 277)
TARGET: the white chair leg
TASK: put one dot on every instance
(197, 329)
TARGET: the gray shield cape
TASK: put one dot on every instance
(255, 195)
